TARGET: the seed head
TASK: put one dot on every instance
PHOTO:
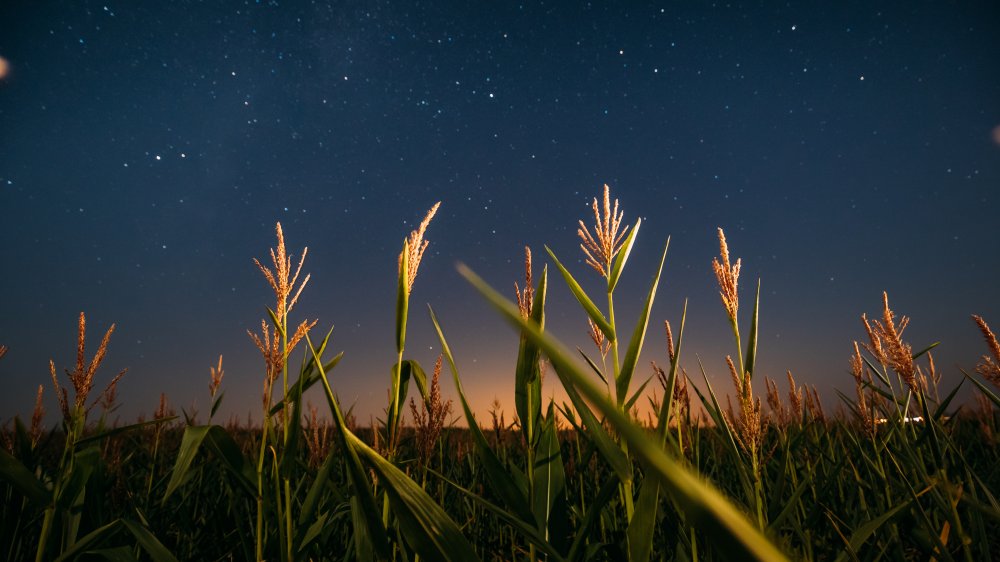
(525, 297)
(989, 367)
(82, 377)
(279, 278)
(217, 373)
(414, 247)
(37, 416)
(602, 246)
(728, 277)
(887, 344)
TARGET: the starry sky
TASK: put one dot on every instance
(147, 151)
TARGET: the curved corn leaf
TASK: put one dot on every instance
(622, 257)
(926, 349)
(549, 481)
(118, 430)
(639, 333)
(424, 524)
(402, 299)
(752, 344)
(527, 530)
(512, 493)
(90, 540)
(637, 394)
(22, 479)
(412, 370)
(593, 514)
(861, 534)
(581, 297)
(640, 528)
(663, 419)
(221, 444)
(370, 537)
(703, 505)
(148, 541)
(527, 377)
(593, 366)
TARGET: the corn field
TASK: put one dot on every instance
(753, 471)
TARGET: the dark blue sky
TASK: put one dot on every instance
(147, 151)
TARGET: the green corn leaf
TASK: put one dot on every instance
(90, 439)
(641, 527)
(637, 394)
(514, 495)
(90, 540)
(413, 371)
(22, 479)
(622, 257)
(752, 344)
(593, 515)
(85, 464)
(275, 321)
(983, 388)
(216, 402)
(715, 412)
(225, 448)
(527, 376)
(308, 377)
(190, 444)
(703, 505)
(313, 531)
(593, 366)
(862, 533)
(402, 299)
(594, 429)
(878, 372)
(370, 538)
(148, 541)
(792, 503)
(312, 500)
(424, 524)
(549, 480)
(663, 419)
(526, 529)
(925, 350)
(116, 554)
(581, 297)
(639, 333)
(939, 412)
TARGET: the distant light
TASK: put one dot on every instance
(862, 78)
(4, 67)
(793, 28)
(914, 419)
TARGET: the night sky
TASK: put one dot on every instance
(146, 153)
